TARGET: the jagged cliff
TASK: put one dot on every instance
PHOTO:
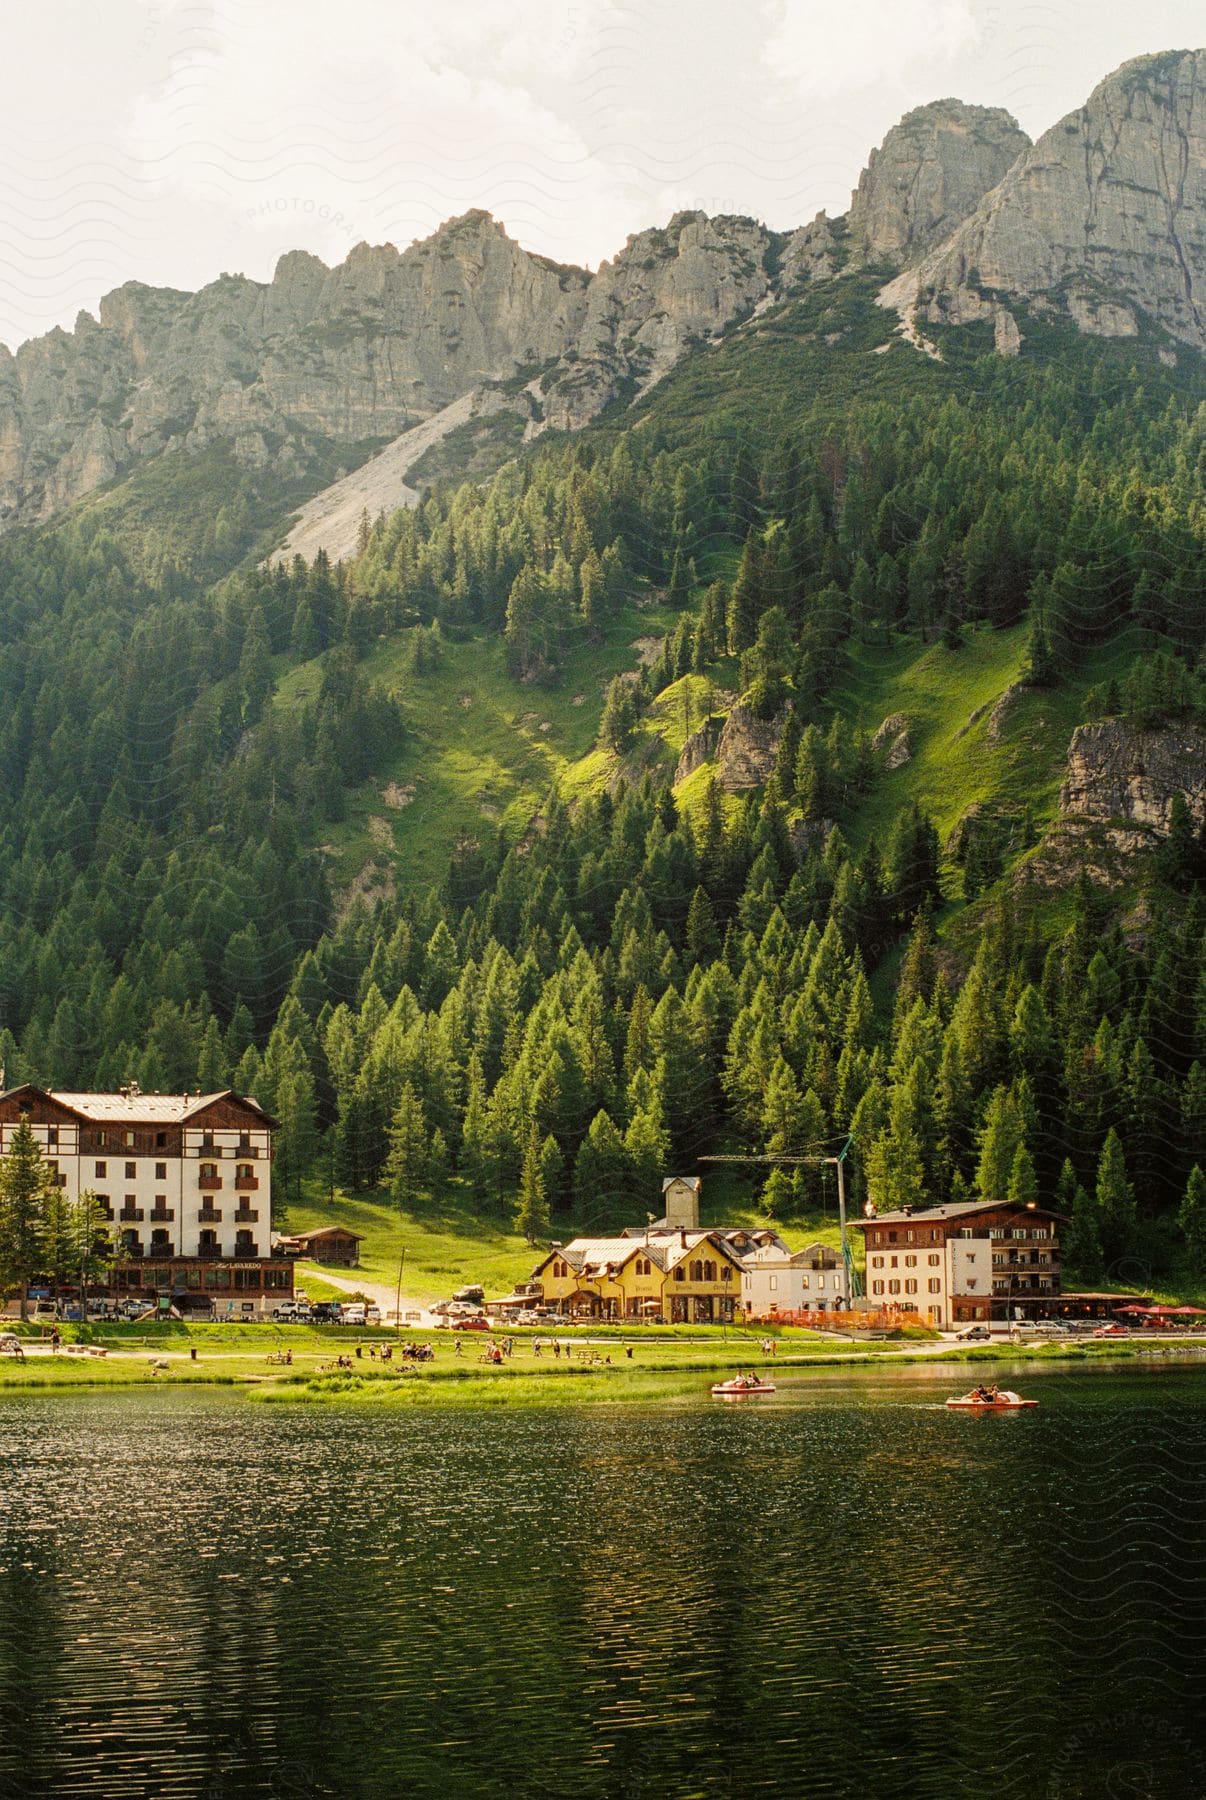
(929, 174)
(366, 350)
(1104, 219)
(1117, 798)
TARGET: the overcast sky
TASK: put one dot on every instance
(169, 140)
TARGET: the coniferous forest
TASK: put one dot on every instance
(642, 975)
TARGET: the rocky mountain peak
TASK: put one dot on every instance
(1103, 219)
(931, 171)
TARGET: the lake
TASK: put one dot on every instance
(845, 1590)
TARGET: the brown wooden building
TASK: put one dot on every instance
(334, 1245)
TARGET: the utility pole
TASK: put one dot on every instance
(398, 1294)
(838, 1162)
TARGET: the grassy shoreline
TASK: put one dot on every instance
(664, 1370)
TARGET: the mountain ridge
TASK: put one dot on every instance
(1103, 221)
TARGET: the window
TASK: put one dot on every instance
(892, 1261)
(894, 1287)
(820, 1281)
(933, 1259)
(877, 1287)
(209, 1171)
(207, 1140)
(935, 1286)
(709, 1271)
(161, 1140)
(971, 1284)
(971, 1256)
(52, 1134)
(804, 1283)
(908, 1237)
(697, 1271)
(101, 1169)
(161, 1171)
(910, 1262)
(129, 1140)
(910, 1287)
(877, 1262)
(131, 1171)
(891, 1237)
(774, 1283)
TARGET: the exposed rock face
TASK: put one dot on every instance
(1117, 798)
(893, 739)
(366, 350)
(1119, 775)
(664, 290)
(699, 748)
(1104, 218)
(929, 174)
(745, 754)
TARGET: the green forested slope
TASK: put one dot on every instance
(555, 1006)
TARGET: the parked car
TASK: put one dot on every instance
(974, 1334)
(372, 1315)
(527, 1317)
(353, 1312)
(325, 1312)
(478, 1323)
(1112, 1330)
(473, 1294)
(292, 1312)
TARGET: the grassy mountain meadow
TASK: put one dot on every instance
(398, 845)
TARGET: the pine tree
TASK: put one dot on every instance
(999, 1140)
(26, 1188)
(1192, 1220)
(406, 1165)
(532, 1208)
(1082, 1243)
(1023, 1184)
(1115, 1199)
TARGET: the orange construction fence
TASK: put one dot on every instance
(887, 1318)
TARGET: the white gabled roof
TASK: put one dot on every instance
(146, 1109)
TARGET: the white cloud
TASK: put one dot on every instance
(830, 50)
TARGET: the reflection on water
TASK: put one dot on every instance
(847, 1592)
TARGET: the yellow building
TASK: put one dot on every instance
(682, 1277)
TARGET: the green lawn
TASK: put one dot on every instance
(482, 749)
(446, 1245)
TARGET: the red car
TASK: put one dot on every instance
(471, 1324)
(1114, 1330)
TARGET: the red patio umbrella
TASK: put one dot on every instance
(1184, 1312)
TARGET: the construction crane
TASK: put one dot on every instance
(791, 1161)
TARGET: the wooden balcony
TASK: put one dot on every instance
(246, 1183)
(244, 1252)
(137, 1213)
(247, 1215)
(162, 1215)
(209, 1215)
(209, 1184)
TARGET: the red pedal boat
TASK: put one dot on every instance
(741, 1387)
(991, 1400)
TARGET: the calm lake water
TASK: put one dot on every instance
(843, 1591)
